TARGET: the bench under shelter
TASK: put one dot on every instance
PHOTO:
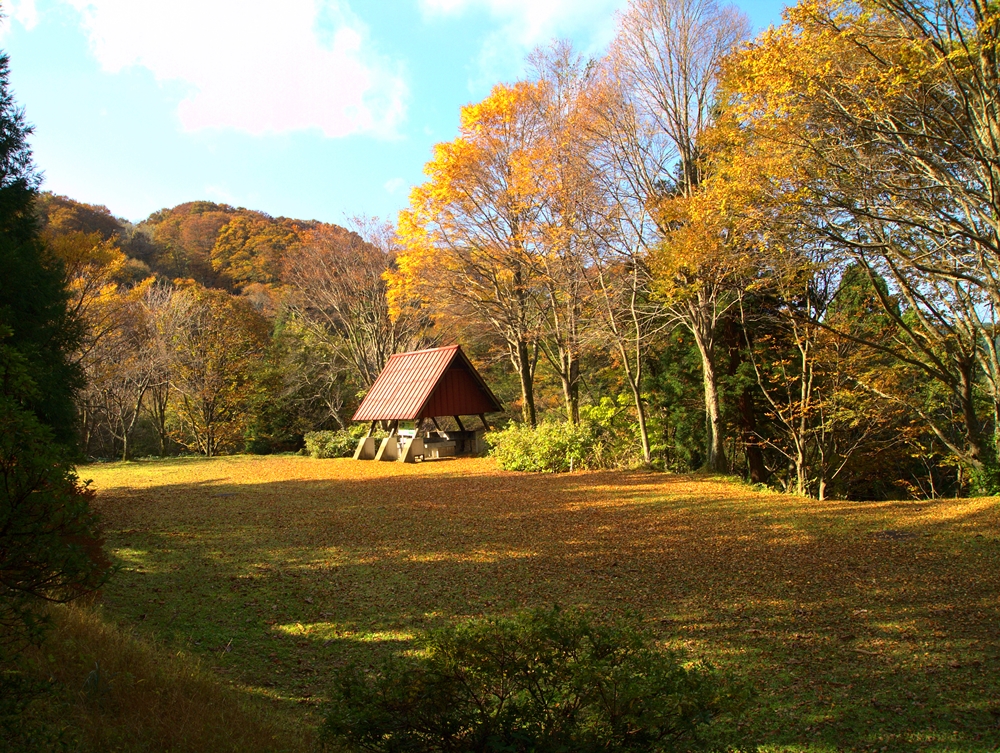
(422, 386)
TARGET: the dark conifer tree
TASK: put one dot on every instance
(34, 319)
(49, 540)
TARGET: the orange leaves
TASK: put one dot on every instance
(815, 603)
(470, 236)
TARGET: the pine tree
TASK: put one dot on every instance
(49, 539)
(33, 298)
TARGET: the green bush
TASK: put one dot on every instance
(331, 444)
(548, 448)
(606, 437)
(336, 444)
(50, 541)
(543, 681)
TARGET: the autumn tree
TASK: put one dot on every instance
(566, 199)
(891, 108)
(471, 238)
(157, 311)
(702, 267)
(111, 348)
(215, 343)
(339, 296)
(667, 57)
(626, 158)
(121, 370)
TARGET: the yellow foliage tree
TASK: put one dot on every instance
(471, 240)
(886, 112)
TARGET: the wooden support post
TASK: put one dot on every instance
(436, 424)
(459, 422)
(370, 429)
(482, 417)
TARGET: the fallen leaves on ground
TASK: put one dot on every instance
(862, 625)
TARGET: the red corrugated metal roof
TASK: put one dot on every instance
(424, 383)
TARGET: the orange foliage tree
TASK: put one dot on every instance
(471, 237)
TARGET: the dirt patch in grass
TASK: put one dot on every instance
(862, 625)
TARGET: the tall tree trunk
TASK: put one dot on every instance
(634, 379)
(571, 390)
(523, 362)
(716, 453)
(801, 480)
(736, 335)
(640, 412)
(569, 375)
(755, 456)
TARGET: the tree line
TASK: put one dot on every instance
(775, 256)
(806, 222)
(211, 329)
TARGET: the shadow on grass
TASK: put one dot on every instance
(861, 625)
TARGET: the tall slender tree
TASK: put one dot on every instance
(471, 237)
(49, 543)
(667, 57)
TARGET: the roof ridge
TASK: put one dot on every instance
(456, 346)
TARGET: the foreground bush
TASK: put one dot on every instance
(50, 544)
(605, 438)
(544, 681)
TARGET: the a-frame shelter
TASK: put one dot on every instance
(422, 385)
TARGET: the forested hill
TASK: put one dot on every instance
(215, 245)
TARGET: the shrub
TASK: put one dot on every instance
(336, 444)
(543, 681)
(605, 438)
(548, 448)
(50, 543)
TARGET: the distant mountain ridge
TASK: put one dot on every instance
(216, 245)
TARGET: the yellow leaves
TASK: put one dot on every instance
(331, 561)
(500, 109)
(470, 226)
(708, 237)
(86, 255)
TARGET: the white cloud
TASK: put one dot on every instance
(525, 24)
(23, 11)
(259, 66)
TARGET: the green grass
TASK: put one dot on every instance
(862, 626)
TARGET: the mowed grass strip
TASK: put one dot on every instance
(863, 626)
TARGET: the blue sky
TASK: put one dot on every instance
(314, 109)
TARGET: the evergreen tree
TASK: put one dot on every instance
(49, 539)
(33, 298)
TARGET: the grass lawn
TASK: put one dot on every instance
(868, 626)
